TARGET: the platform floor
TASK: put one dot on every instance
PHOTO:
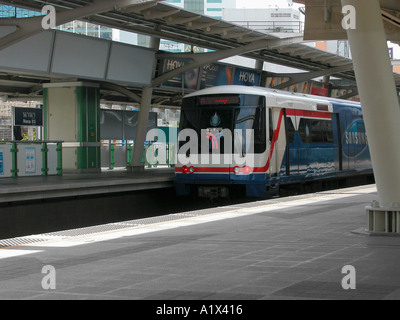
(71, 185)
(289, 248)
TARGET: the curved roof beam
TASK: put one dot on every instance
(304, 76)
(117, 88)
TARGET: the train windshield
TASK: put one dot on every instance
(237, 113)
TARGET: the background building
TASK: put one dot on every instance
(277, 20)
(212, 8)
(88, 29)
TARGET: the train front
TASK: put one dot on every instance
(222, 145)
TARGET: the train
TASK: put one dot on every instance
(260, 141)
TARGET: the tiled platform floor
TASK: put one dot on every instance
(292, 248)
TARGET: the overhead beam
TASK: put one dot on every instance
(252, 38)
(117, 88)
(305, 76)
(176, 20)
(151, 14)
(221, 31)
(200, 25)
(236, 35)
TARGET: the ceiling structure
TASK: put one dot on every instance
(160, 20)
(324, 19)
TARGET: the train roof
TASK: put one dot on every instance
(278, 97)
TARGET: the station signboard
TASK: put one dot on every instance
(28, 117)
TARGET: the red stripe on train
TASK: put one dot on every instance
(308, 113)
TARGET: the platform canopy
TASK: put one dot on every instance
(324, 19)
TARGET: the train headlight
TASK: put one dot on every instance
(185, 169)
(246, 170)
(191, 169)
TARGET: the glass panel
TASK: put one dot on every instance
(316, 131)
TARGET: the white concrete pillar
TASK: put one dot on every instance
(378, 96)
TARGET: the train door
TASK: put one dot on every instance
(303, 143)
(292, 151)
(337, 136)
(277, 140)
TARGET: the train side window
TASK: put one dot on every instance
(316, 131)
(304, 131)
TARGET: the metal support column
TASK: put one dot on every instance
(145, 106)
(259, 65)
(141, 130)
(378, 98)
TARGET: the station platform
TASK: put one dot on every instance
(73, 185)
(286, 248)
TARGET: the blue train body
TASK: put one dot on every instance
(305, 139)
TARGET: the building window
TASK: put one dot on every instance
(214, 9)
(214, 1)
(281, 15)
(194, 6)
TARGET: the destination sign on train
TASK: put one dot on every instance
(219, 100)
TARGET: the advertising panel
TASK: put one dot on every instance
(246, 77)
(210, 75)
(216, 74)
(30, 160)
(189, 79)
